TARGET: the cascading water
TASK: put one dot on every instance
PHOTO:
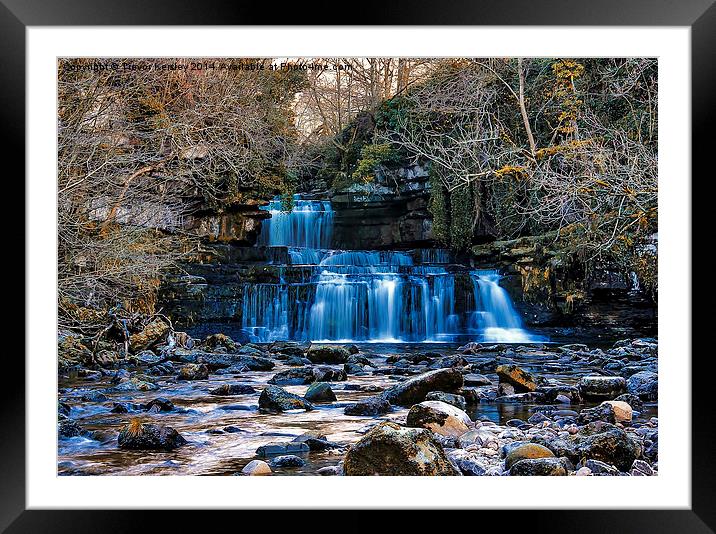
(367, 296)
(308, 225)
(495, 317)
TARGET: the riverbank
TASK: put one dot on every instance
(302, 409)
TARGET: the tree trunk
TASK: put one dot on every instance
(523, 109)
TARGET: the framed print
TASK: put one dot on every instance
(379, 266)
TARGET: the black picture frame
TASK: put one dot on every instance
(700, 15)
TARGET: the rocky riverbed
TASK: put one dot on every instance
(173, 405)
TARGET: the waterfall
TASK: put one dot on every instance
(307, 225)
(367, 295)
(495, 317)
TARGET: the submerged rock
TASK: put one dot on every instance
(414, 390)
(276, 399)
(228, 390)
(440, 417)
(389, 449)
(148, 436)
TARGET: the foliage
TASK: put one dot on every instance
(371, 157)
(550, 144)
(140, 148)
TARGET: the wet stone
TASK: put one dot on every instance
(279, 449)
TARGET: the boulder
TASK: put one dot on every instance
(256, 468)
(520, 379)
(517, 452)
(539, 467)
(320, 392)
(275, 399)
(152, 334)
(148, 436)
(193, 371)
(644, 384)
(369, 406)
(456, 400)
(601, 387)
(330, 354)
(440, 417)
(228, 390)
(414, 390)
(389, 450)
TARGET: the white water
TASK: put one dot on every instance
(495, 316)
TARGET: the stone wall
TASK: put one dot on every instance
(389, 213)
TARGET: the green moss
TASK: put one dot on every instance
(461, 217)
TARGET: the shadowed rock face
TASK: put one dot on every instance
(389, 449)
(414, 390)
